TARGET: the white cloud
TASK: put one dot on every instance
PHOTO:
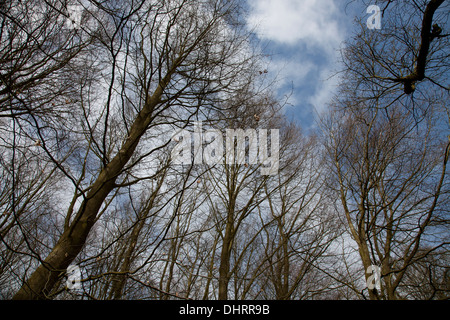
(308, 34)
(317, 22)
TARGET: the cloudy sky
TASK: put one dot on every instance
(303, 38)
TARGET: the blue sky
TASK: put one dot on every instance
(303, 38)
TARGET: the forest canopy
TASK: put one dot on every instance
(95, 96)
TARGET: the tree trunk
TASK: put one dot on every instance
(224, 268)
(42, 281)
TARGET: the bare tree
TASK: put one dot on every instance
(165, 61)
(38, 50)
(389, 170)
(408, 53)
(303, 227)
(387, 146)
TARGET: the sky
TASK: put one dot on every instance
(303, 39)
